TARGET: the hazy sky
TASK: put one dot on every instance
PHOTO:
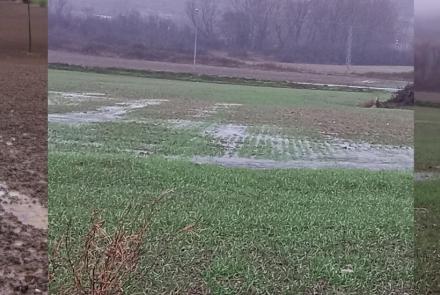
(427, 7)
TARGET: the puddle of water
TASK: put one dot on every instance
(74, 98)
(185, 124)
(78, 95)
(286, 152)
(426, 176)
(387, 89)
(237, 162)
(104, 114)
(227, 105)
(27, 211)
(231, 136)
(218, 107)
(227, 131)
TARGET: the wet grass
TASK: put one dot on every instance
(132, 137)
(427, 217)
(301, 111)
(188, 77)
(280, 148)
(136, 88)
(256, 148)
(280, 144)
(231, 231)
(427, 201)
(251, 232)
(165, 139)
(59, 104)
(427, 138)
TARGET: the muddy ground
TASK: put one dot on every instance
(357, 76)
(23, 152)
(428, 97)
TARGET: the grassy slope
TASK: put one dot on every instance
(270, 231)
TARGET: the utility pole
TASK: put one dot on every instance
(29, 26)
(349, 47)
(196, 11)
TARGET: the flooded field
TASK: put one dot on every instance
(255, 177)
(252, 145)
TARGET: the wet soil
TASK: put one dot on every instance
(360, 124)
(27, 210)
(23, 152)
(23, 158)
(325, 76)
(428, 97)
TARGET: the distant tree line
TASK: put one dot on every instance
(427, 65)
(312, 31)
(427, 55)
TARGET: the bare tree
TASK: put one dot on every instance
(287, 30)
(260, 15)
(203, 16)
(289, 21)
(236, 30)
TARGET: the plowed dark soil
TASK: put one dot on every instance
(23, 147)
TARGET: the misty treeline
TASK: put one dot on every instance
(427, 61)
(427, 54)
(312, 31)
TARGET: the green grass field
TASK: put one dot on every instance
(427, 140)
(427, 201)
(292, 231)
(427, 214)
(137, 87)
(275, 231)
(296, 110)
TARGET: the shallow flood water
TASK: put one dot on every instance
(26, 210)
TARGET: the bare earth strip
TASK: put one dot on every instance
(428, 97)
(23, 151)
(328, 74)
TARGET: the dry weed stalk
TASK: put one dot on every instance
(106, 262)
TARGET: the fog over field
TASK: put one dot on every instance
(427, 48)
(174, 9)
(427, 8)
(428, 20)
(380, 32)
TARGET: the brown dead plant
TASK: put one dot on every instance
(107, 260)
